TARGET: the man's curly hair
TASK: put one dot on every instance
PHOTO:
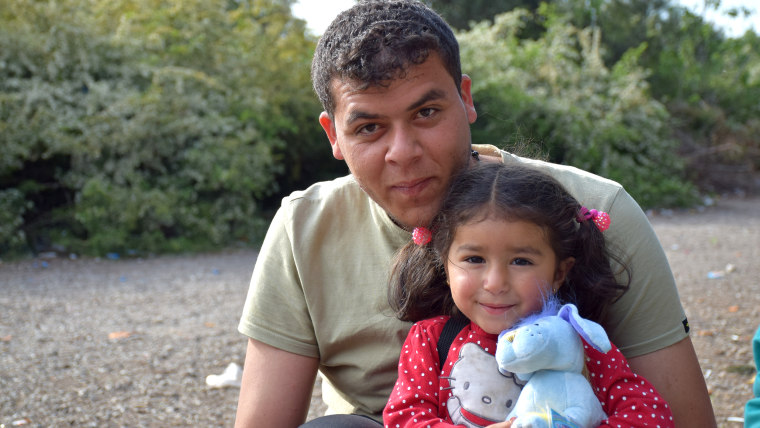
(375, 42)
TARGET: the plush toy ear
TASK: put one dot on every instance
(590, 331)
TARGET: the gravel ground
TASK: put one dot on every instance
(715, 256)
(100, 342)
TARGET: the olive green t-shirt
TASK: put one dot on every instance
(319, 286)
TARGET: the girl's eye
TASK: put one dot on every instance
(474, 259)
(521, 262)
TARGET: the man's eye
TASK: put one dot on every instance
(367, 129)
(427, 112)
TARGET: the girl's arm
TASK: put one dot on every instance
(414, 400)
(628, 399)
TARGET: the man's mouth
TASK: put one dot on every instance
(412, 188)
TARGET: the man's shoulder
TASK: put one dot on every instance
(586, 187)
(338, 208)
(566, 174)
(337, 188)
(326, 196)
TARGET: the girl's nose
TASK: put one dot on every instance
(496, 280)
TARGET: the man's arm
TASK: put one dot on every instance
(676, 374)
(276, 387)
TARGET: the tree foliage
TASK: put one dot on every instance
(708, 82)
(152, 125)
(460, 14)
(556, 92)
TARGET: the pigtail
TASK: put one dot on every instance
(591, 283)
(418, 288)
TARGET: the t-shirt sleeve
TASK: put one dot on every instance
(649, 316)
(414, 399)
(275, 310)
(628, 400)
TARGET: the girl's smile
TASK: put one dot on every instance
(499, 271)
(496, 309)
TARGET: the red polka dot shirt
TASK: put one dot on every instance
(422, 396)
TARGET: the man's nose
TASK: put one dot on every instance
(403, 146)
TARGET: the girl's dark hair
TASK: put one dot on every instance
(418, 288)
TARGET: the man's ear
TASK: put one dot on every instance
(466, 94)
(329, 126)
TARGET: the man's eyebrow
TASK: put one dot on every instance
(428, 96)
(359, 115)
(355, 115)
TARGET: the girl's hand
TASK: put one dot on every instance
(505, 424)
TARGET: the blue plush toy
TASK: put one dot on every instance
(547, 352)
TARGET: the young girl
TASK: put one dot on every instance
(506, 238)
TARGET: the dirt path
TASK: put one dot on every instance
(130, 342)
(714, 255)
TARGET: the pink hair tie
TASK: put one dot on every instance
(421, 235)
(601, 218)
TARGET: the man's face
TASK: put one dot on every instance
(403, 143)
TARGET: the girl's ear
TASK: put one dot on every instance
(563, 268)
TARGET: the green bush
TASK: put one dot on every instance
(13, 206)
(556, 92)
(147, 126)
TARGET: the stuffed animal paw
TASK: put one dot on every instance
(532, 420)
(543, 420)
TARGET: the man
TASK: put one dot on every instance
(397, 111)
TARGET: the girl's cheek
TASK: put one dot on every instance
(462, 279)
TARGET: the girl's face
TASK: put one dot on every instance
(499, 270)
